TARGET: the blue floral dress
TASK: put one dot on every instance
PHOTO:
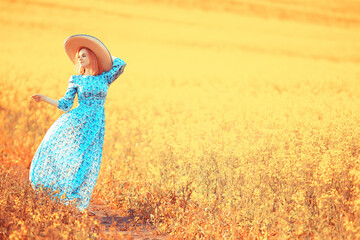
(68, 158)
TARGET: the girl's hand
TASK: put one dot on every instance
(38, 97)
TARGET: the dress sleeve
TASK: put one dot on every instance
(115, 71)
(66, 102)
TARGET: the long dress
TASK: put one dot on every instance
(67, 162)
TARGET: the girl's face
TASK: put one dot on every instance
(83, 58)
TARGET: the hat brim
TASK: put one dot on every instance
(73, 43)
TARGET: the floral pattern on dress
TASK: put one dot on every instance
(68, 158)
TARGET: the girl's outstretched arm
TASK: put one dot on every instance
(40, 97)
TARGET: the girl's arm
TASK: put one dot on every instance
(116, 70)
(40, 97)
(65, 103)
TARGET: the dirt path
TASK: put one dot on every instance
(116, 222)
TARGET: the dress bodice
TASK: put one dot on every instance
(91, 90)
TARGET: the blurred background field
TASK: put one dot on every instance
(233, 119)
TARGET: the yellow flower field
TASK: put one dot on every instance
(232, 120)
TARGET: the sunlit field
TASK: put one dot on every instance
(233, 119)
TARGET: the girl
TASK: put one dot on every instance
(68, 158)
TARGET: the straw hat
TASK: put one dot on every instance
(73, 43)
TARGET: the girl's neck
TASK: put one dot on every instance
(87, 72)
